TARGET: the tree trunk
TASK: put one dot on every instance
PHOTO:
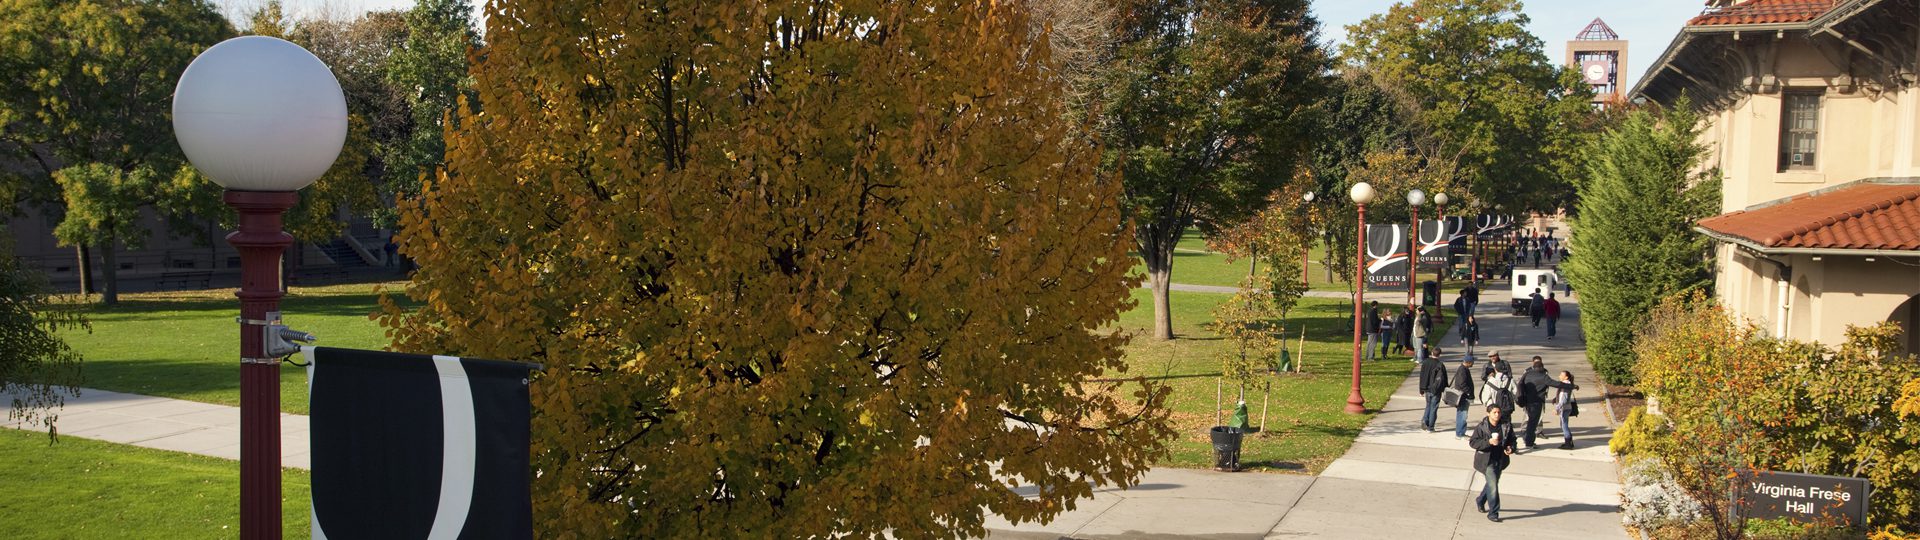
(110, 291)
(85, 257)
(1162, 304)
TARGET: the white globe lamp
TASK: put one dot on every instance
(257, 113)
(1361, 193)
(1440, 199)
(1416, 197)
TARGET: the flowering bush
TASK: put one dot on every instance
(1652, 498)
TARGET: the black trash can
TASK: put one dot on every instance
(1226, 448)
(1429, 293)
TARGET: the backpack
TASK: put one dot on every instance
(1496, 387)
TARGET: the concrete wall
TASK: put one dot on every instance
(1824, 296)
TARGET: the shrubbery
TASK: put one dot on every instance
(1739, 399)
(1652, 498)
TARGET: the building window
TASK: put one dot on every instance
(1799, 129)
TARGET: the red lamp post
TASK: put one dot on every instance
(263, 118)
(1414, 199)
(1306, 247)
(1362, 193)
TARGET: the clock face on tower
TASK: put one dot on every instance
(1594, 71)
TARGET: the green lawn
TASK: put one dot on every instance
(183, 345)
(186, 344)
(1307, 427)
(80, 488)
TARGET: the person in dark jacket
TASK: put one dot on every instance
(1494, 363)
(1533, 397)
(1492, 443)
(1552, 311)
(1371, 325)
(1387, 332)
(1433, 381)
(1462, 381)
(1564, 404)
(1536, 306)
(1470, 333)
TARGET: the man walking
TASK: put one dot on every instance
(1552, 311)
(1433, 382)
(1462, 381)
(1533, 398)
(1492, 443)
(1536, 306)
(1371, 325)
(1421, 325)
(1404, 328)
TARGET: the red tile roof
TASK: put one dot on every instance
(1763, 12)
(1863, 216)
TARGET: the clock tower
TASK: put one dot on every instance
(1600, 56)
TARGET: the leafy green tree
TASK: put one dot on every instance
(819, 269)
(91, 82)
(429, 70)
(37, 368)
(1480, 87)
(1205, 108)
(1638, 203)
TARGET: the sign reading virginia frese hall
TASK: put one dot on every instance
(1803, 497)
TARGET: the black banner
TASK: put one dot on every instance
(1387, 247)
(1433, 243)
(1457, 233)
(1807, 498)
(415, 446)
(1486, 224)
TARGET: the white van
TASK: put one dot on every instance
(1522, 284)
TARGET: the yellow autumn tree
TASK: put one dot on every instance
(794, 268)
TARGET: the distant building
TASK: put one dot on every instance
(1813, 116)
(1600, 56)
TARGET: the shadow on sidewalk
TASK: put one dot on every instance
(1511, 515)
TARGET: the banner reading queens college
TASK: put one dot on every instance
(1387, 247)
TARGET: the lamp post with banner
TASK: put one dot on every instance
(1362, 193)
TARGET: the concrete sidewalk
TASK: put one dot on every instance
(1397, 481)
(165, 424)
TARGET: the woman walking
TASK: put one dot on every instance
(1565, 405)
(1462, 381)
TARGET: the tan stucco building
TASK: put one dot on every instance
(1813, 117)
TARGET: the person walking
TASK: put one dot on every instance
(1533, 398)
(1472, 294)
(1536, 306)
(1387, 332)
(1470, 334)
(1564, 404)
(1497, 390)
(1371, 325)
(1463, 382)
(1421, 325)
(1552, 310)
(1460, 307)
(1495, 364)
(1433, 382)
(1404, 328)
(1492, 444)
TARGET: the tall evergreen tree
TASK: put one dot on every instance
(1206, 108)
(1634, 230)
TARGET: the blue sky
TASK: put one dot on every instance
(1648, 25)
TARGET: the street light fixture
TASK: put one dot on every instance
(263, 118)
(1306, 245)
(1362, 193)
(1415, 198)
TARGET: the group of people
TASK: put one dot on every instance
(1539, 247)
(1494, 438)
(1544, 308)
(1403, 334)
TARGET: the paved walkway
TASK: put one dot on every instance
(1396, 481)
(165, 424)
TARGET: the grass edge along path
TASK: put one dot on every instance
(1307, 426)
(186, 345)
(82, 488)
